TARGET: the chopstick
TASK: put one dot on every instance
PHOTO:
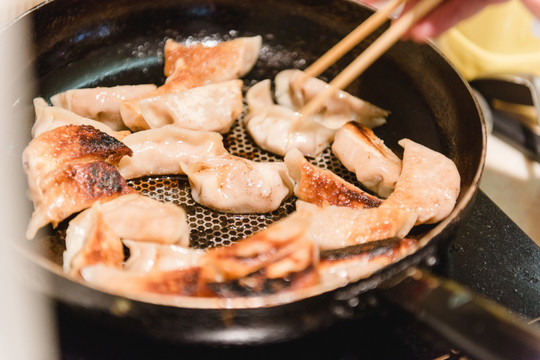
(351, 40)
(369, 55)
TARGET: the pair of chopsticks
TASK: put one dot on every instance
(370, 54)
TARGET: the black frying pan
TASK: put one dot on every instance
(86, 43)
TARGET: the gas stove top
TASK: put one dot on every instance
(490, 255)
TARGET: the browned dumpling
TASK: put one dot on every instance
(280, 251)
(362, 152)
(133, 218)
(224, 60)
(66, 145)
(322, 187)
(97, 243)
(188, 67)
(75, 187)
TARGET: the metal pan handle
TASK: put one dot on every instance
(470, 322)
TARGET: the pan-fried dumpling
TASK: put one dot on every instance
(236, 185)
(75, 187)
(224, 60)
(362, 152)
(429, 183)
(279, 129)
(212, 107)
(148, 256)
(322, 187)
(101, 103)
(161, 151)
(294, 89)
(51, 117)
(91, 242)
(334, 227)
(65, 145)
(182, 282)
(280, 251)
(187, 67)
(140, 218)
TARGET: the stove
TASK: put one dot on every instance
(490, 255)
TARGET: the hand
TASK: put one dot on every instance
(450, 13)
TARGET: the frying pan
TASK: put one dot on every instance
(86, 43)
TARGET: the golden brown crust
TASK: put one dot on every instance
(79, 143)
(102, 246)
(322, 187)
(75, 187)
(203, 62)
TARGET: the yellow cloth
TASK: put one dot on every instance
(502, 38)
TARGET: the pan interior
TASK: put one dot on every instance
(98, 44)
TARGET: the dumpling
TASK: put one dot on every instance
(212, 107)
(362, 152)
(187, 67)
(75, 187)
(148, 256)
(334, 227)
(429, 183)
(161, 151)
(225, 60)
(140, 218)
(101, 103)
(279, 252)
(236, 185)
(51, 117)
(92, 242)
(341, 266)
(182, 282)
(294, 89)
(65, 145)
(279, 129)
(322, 187)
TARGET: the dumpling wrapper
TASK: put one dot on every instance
(322, 187)
(362, 152)
(212, 107)
(226, 60)
(148, 256)
(141, 218)
(51, 117)
(429, 183)
(236, 185)
(334, 227)
(294, 89)
(101, 103)
(73, 188)
(91, 241)
(161, 151)
(191, 66)
(279, 129)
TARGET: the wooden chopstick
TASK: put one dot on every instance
(348, 42)
(370, 54)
